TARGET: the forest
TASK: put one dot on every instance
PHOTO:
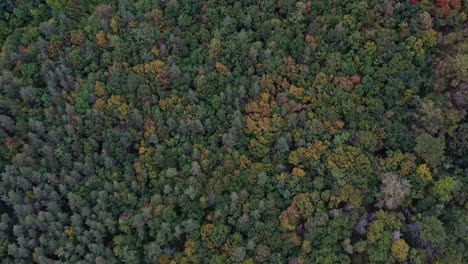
(234, 131)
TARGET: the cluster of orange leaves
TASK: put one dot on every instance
(101, 39)
(445, 7)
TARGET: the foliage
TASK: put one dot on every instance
(233, 131)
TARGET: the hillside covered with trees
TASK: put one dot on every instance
(233, 131)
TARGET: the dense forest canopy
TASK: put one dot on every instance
(233, 131)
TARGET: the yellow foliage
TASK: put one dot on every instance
(297, 135)
(407, 167)
(70, 232)
(189, 247)
(100, 89)
(165, 259)
(400, 250)
(297, 156)
(430, 37)
(244, 162)
(248, 261)
(118, 102)
(149, 128)
(100, 104)
(401, 162)
(282, 176)
(115, 24)
(316, 150)
(297, 92)
(257, 126)
(321, 79)
(278, 121)
(333, 127)
(170, 102)
(223, 69)
(153, 67)
(346, 193)
(137, 166)
(370, 47)
(206, 231)
(155, 51)
(215, 46)
(423, 172)
(158, 18)
(133, 24)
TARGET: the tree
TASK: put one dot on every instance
(430, 149)
(393, 191)
(400, 250)
(443, 189)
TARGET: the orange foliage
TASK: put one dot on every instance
(77, 39)
(54, 48)
(300, 209)
(298, 172)
(223, 69)
(101, 39)
(311, 40)
(445, 7)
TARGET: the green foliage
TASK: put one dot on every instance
(443, 189)
(430, 149)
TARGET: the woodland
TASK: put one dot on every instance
(234, 131)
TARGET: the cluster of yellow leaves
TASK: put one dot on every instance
(351, 160)
(115, 102)
(154, 67)
(118, 102)
(333, 127)
(414, 47)
(259, 124)
(223, 69)
(348, 194)
(297, 156)
(215, 46)
(70, 232)
(321, 79)
(115, 23)
(206, 232)
(99, 89)
(424, 173)
(400, 250)
(296, 91)
(430, 37)
(149, 128)
(312, 152)
(169, 103)
(158, 18)
(166, 259)
(189, 247)
(401, 162)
